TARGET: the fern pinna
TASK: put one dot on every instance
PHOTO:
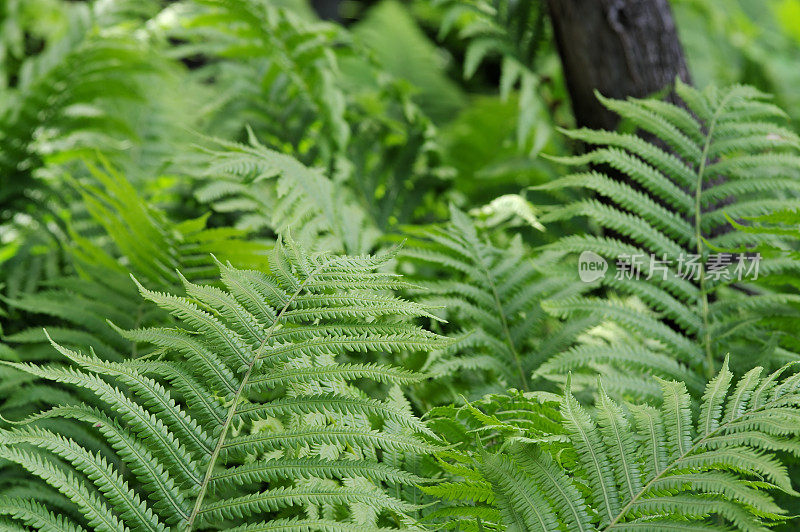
(240, 418)
(779, 232)
(550, 464)
(723, 158)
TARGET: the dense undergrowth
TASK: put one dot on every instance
(257, 272)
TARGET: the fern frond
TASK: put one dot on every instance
(522, 506)
(35, 515)
(308, 446)
(639, 467)
(269, 190)
(720, 156)
(515, 31)
(492, 294)
(68, 99)
(121, 228)
(287, 75)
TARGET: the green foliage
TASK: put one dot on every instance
(70, 97)
(516, 31)
(310, 89)
(389, 27)
(197, 204)
(280, 69)
(743, 42)
(492, 295)
(723, 158)
(552, 465)
(265, 189)
(119, 235)
(781, 246)
(242, 410)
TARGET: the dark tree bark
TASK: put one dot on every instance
(618, 47)
(328, 9)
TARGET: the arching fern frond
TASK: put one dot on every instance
(311, 90)
(665, 219)
(265, 189)
(244, 442)
(492, 295)
(69, 98)
(283, 69)
(625, 466)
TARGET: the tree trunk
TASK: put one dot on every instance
(328, 9)
(618, 47)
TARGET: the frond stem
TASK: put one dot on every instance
(232, 410)
(704, 309)
(693, 448)
(504, 322)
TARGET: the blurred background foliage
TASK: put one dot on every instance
(494, 103)
(741, 41)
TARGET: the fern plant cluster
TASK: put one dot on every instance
(251, 280)
(553, 465)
